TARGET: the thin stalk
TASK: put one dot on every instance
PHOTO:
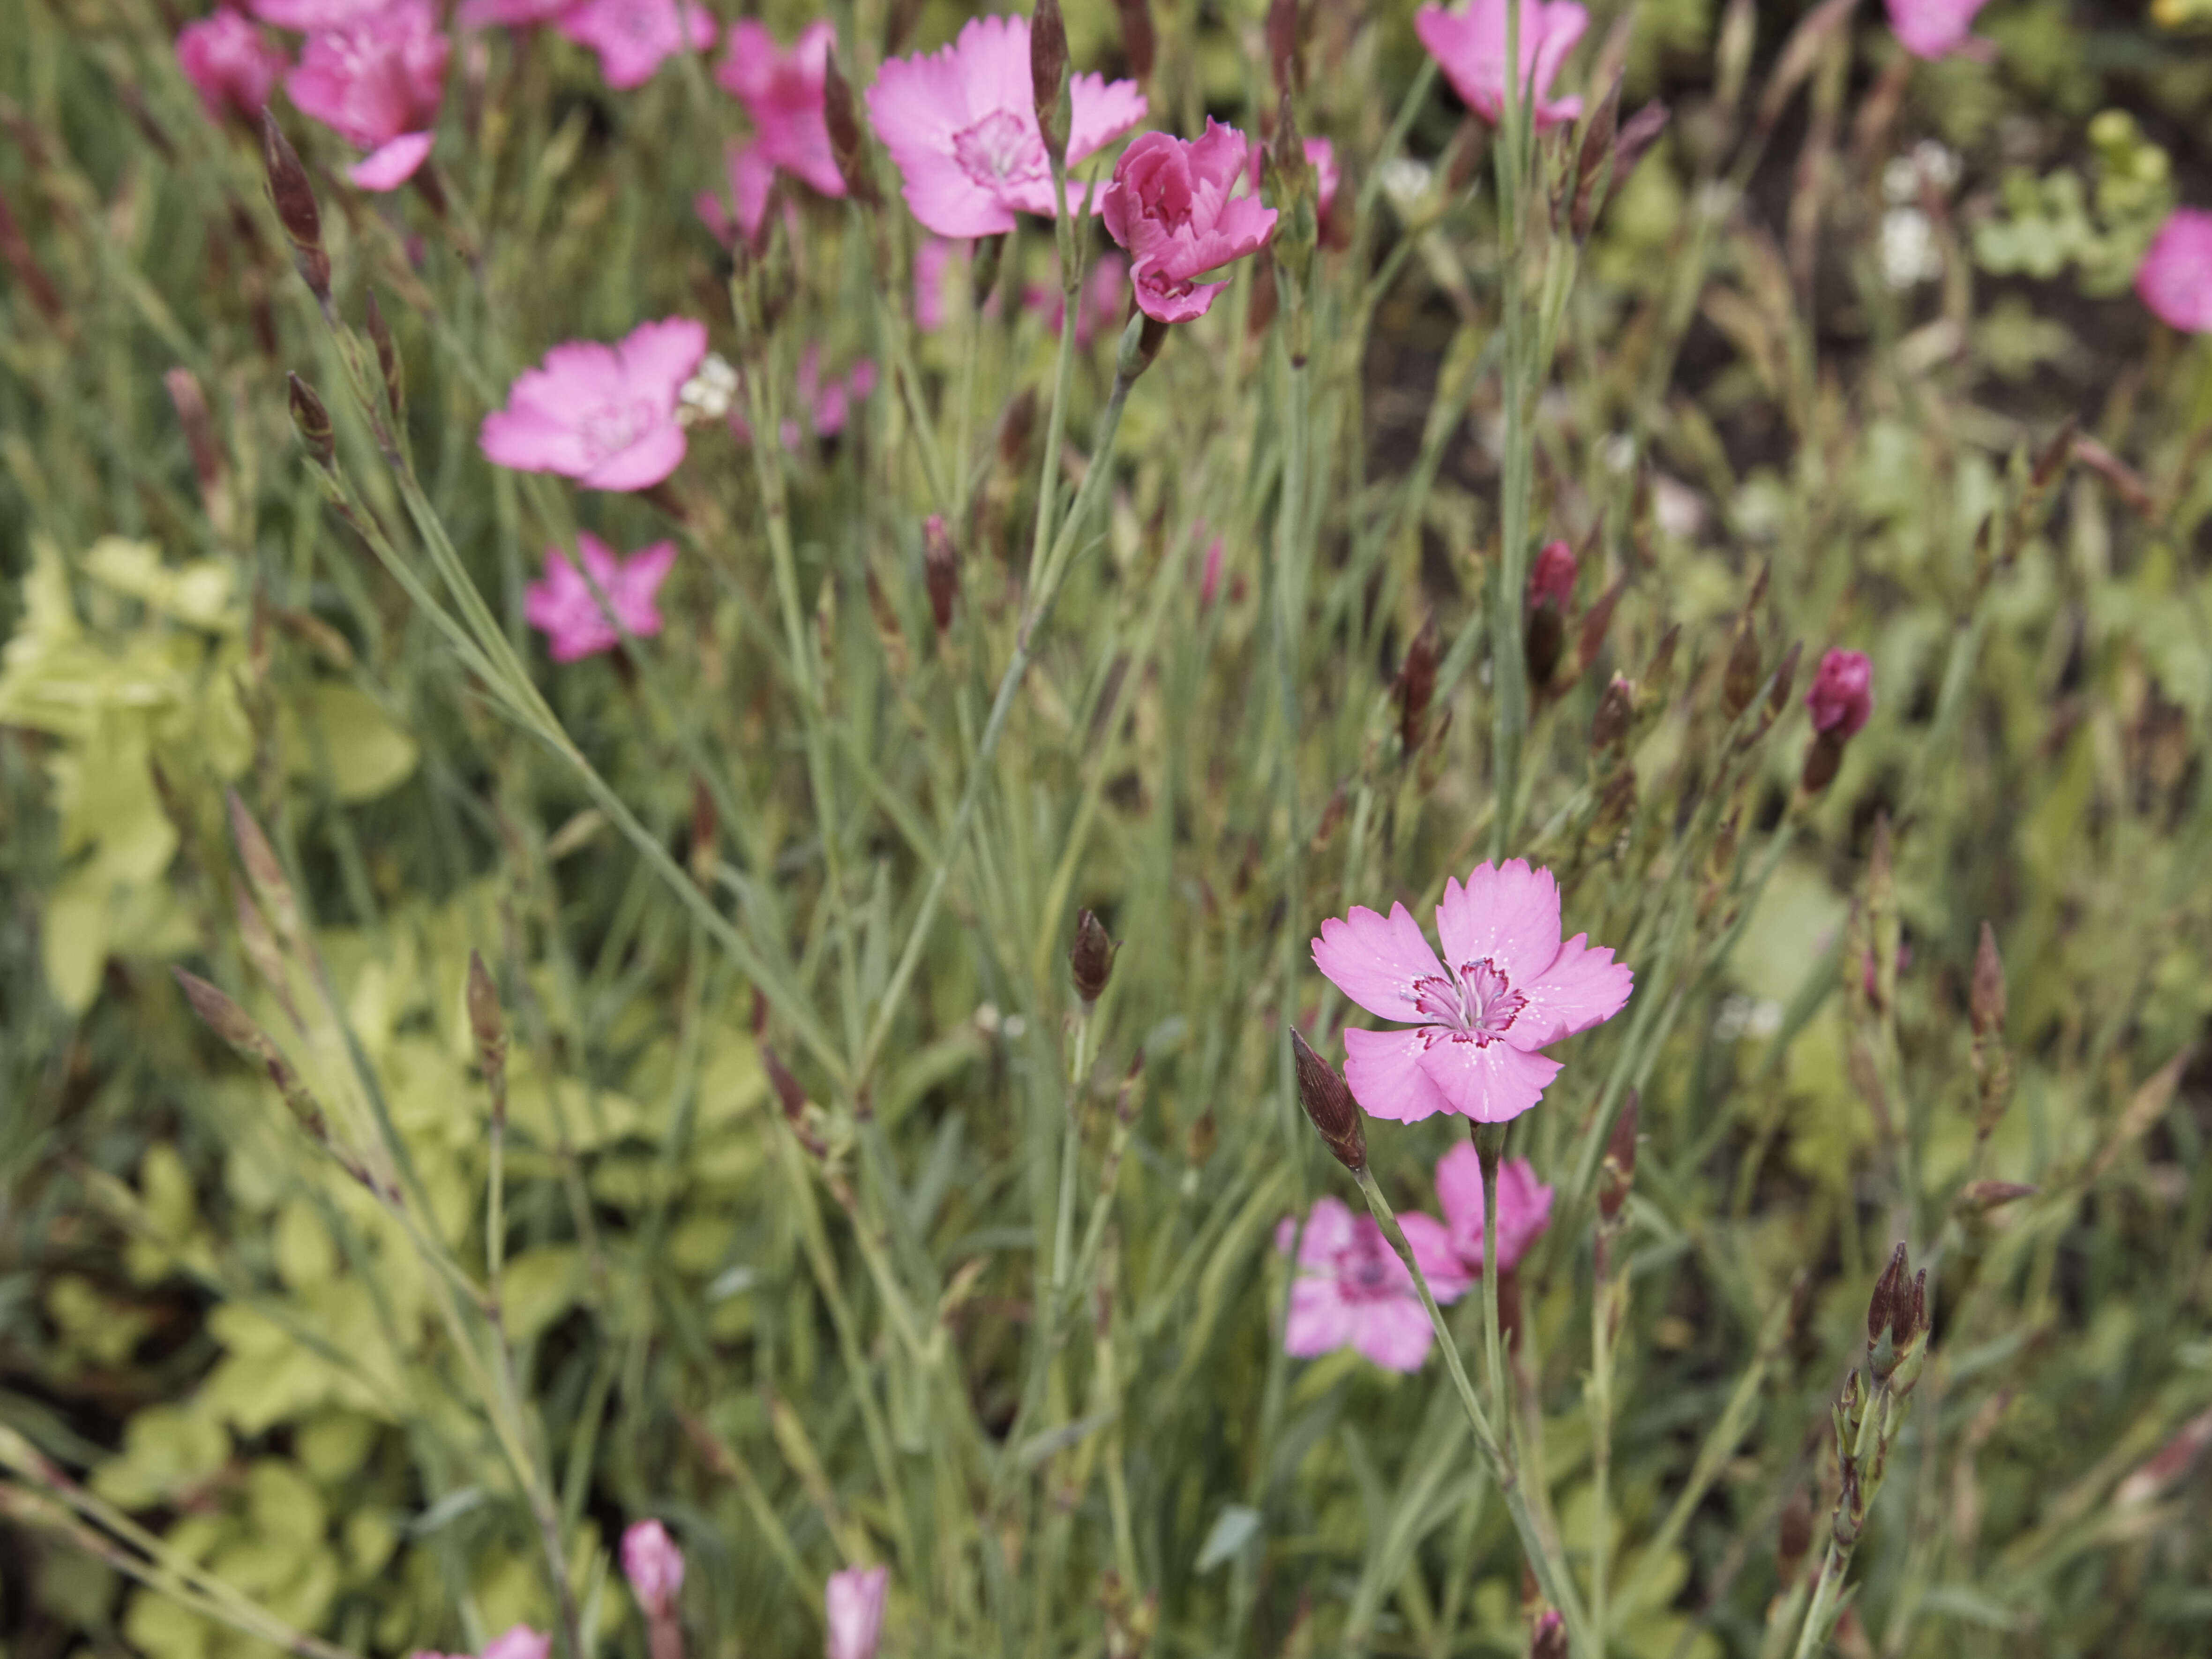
(1508, 674)
(1493, 1349)
(1600, 1395)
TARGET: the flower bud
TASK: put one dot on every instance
(313, 423)
(1549, 1638)
(1841, 696)
(1090, 959)
(653, 1565)
(263, 871)
(1551, 591)
(1330, 1105)
(1285, 39)
(1416, 685)
(940, 570)
(1740, 685)
(856, 1611)
(705, 824)
(293, 198)
(1824, 757)
(1882, 1306)
(848, 147)
(1616, 709)
(192, 407)
(1987, 998)
(1048, 77)
(1777, 698)
(1619, 1170)
(1979, 1198)
(1138, 41)
(1596, 150)
(387, 359)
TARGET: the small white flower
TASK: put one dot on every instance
(1909, 253)
(1406, 182)
(707, 395)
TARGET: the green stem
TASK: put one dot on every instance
(1509, 673)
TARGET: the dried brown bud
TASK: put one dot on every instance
(905, 14)
(788, 1095)
(313, 423)
(387, 359)
(1979, 1198)
(1616, 711)
(1785, 677)
(1909, 1322)
(1329, 1104)
(1137, 37)
(487, 1023)
(940, 570)
(2051, 458)
(1048, 77)
(1987, 998)
(1091, 958)
(1416, 685)
(1285, 35)
(847, 146)
(293, 198)
(1638, 134)
(1597, 621)
(1544, 640)
(1740, 683)
(1616, 1174)
(1882, 1306)
(1824, 757)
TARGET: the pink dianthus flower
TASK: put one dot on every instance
(376, 79)
(781, 91)
(1841, 696)
(1506, 989)
(603, 415)
(563, 608)
(1171, 206)
(1552, 579)
(633, 37)
(1937, 28)
(854, 1601)
(961, 123)
(1469, 46)
(1524, 1206)
(230, 63)
(1352, 1289)
(2175, 277)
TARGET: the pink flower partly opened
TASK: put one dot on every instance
(1469, 46)
(853, 1601)
(2175, 277)
(1171, 206)
(1506, 989)
(563, 608)
(230, 63)
(1841, 696)
(1524, 1206)
(375, 81)
(1354, 1291)
(652, 1563)
(603, 415)
(962, 125)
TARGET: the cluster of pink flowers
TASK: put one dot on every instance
(782, 91)
(631, 38)
(1353, 1291)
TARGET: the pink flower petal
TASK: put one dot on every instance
(1583, 987)
(658, 358)
(2175, 277)
(1321, 1321)
(1524, 1206)
(1100, 111)
(1507, 913)
(1396, 1335)
(1376, 960)
(390, 165)
(643, 465)
(1431, 1242)
(1490, 1082)
(1384, 1073)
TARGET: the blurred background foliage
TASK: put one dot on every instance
(1833, 339)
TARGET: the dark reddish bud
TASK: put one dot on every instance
(1823, 757)
(387, 359)
(313, 423)
(1590, 160)
(2051, 458)
(1638, 134)
(1616, 710)
(1882, 1305)
(1552, 577)
(1416, 685)
(1548, 1640)
(1740, 685)
(1841, 696)
(1987, 998)
(1137, 37)
(219, 1013)
(293, 198)
(1909, 1321)
(1616, 1174)
(1597, 621)
(1091, 958)
(905, 14)
(1204, 1136)
(847, 145)
(940, 569)
(1049, 76)
(191, 404)
(1285, 38)
(1016, 428)
(1329, 1104)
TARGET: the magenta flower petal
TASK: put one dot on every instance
(390, 165)
(1379, 962)
(1583, 987)
(1321, 1321)
(1170, 206)
(1489, 1082)
(782, 92)
(633, 38)
(1351, 1290)
(2175, 277)
(603, 415)
(375, 77)
(1384, 1071)
(653, 1565)
(1507, 913)
(1524, 1206)
(1932, 28)
(229, 64)
(642, 465)
(1469, 46)
(1433, 1247)
(518, 1642)
(855, 1607)
(564, 609)
(313, 16)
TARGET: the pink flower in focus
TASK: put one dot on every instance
(1841, 695)
(229, 64)
(1170, 206)
(1320, 152)
(962, 125)
(632, 37)
(563, 608)
(1552, 581)
(1937, 28)
(518, 1642)
(1469, 46)
(2175, 277)
(650, 1559)
(782, 93)
(1353, 1291)
(1510, 989)
(854, 1600)
(375, 81)
(1524, 1206)
(603, 415)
